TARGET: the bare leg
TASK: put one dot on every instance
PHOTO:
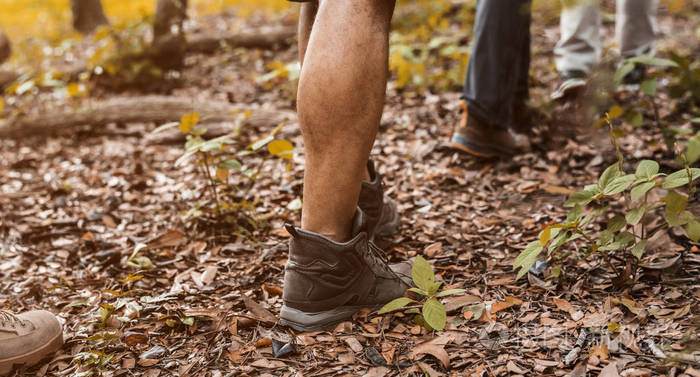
(306, 23)
(307, 16)
(340, 102)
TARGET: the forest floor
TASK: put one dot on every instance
(75, 205)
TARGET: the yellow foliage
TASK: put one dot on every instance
(51, 19)
(188, 121)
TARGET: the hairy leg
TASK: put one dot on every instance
(307, 15)
(340, 101)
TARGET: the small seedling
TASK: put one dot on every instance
(626, 230)
(430, 313)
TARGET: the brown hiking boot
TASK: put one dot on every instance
(483, 140)
(382, 215)
(326, 282)
(27, 338)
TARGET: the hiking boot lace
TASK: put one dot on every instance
(380, 259)
(10, 320)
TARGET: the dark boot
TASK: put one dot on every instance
(326, 282)
(484, 140)
(382, 215)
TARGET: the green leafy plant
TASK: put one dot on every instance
(430, 313)
(227, 200)
(626, 230)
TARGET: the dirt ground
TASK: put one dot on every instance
(75, 205)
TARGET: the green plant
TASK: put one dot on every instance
(226, 199)
(626, 230)
(430, 313)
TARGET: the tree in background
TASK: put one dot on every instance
(5, 48)
(88, 15)
(168, 34)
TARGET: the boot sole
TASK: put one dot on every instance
(33, 357)
(461, 144)
(306, 321)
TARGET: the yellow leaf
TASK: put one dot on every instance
(2, 106)
(615, 112)
(188, 121)
(222, 174)
(74, 90)
(281, 148)
(546, 235)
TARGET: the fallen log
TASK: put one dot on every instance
(147, 109)
(266, 38)
(6, 78)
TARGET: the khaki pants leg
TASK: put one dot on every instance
(579, 46)
(636, 26)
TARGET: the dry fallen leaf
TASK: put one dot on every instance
(258, 311)
(564, 305)
(168, 239)
(600, 351)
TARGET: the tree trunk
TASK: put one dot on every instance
(5, 48)
(87, 15)
(168, 35)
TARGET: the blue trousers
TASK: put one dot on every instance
(497, 75)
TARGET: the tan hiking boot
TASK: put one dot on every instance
(326, 282)
(27, 338)
(480, 139)
(382, 214)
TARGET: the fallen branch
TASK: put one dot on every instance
(263, 38)
(7, 77)
(148, 109)
(573, 354)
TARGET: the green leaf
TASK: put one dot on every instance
(675, 206)
(434, 288)
(574, 215)
(638, 249)
(434, 314)
(163, 127)
(680, 178)
(449, 292)
(281, 148)
(616, 223)
(527, 258)
(635, 119)
(619, 184)
(422, 274)
(634, 216)
(419, 291)
(612, 172)
(581, 198)
(639, 191)
(649, 86)
(652, 61)
(189, 321)
(624, 69)
(647, 169)
(605, 237)
(231, 164)
(395, 304)
(559, 240)
(261, 143)
(622, 241)
(693, 149)
(693, 230)
(188, 121)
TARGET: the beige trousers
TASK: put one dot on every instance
(580, 47)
